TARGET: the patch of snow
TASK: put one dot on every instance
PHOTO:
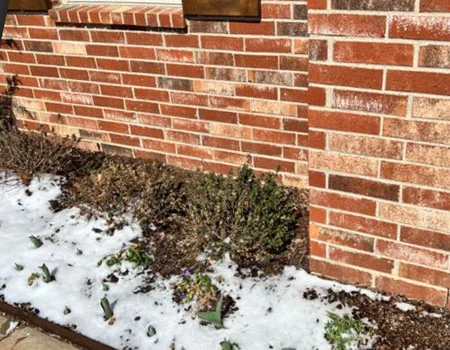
(272, 313)
(405, 306)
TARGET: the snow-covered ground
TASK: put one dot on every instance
(272, 313)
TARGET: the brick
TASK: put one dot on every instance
(189, 99)
(185, 71)
(262, 28)
(434, 6)
(43, 71)
(174, 55)
(294, 95)
(42, 46)
(108, 102)
(343, 202)
(146, 131)
(222, 143)
(147, 67)
(422, 175)
(218, 116)
(364, 187)
(260, 121)
(316, 96)
(318, 50)
(343, 163)
(268, 45)
(417, 130)
(182, 40)
(424, 238)
(275, 11)
(225, 74)
(43, 33)
(341, 273)
(347, 25)
(113, 126)
(371, 5)
(112, 90)
(270, 164)
(420, 28)
(412, 254)
(317, 249)
(414, 216)
(425, 275)
(374, 227)
(415, 291)
(346, 76)
(272, 78)
(364, 145)
(367, 261)
(317, 4)
(300, 11)
(229, 103)
(195, 151)
(151, 155)
(434, 56)
(297, 125)
(222, 43)
(428, 154)
(431, 108)
(113, 64)
(433, 199)
(74, 34)
(138, 79)
(137, 52)
(261, 148)
(190, 125)
(108, 36)
(208, 27)
(273, 136)
(178, 111)
(214, 58)
(343, 238)
(294, 29)
(256, 61)
(425, 82)
(215, 88)
(317, 215)
(141, 106)
(105, 77)
(370, 102)
(175, 84)
(344, 122)
(125, 140)
(159, 145)
(374, 53)
(182, 137)
(317, 139)
(143, 38)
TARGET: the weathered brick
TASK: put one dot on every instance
(424, 238)
(347, 25)
(428, 154)
(374, 227)
(344, 122)
(415, 174)
(415, 291)
(431, 108)
(365, 145)
(417, 130)
(415, 216)
(370, 102)
(374, 53)
(434, 6)
(370, 188)
(366, 261)
(428, 198)
(373, 5)
(411, 254)
(434, 56)
(343, 202)
(346, 76)
(343, 163)
(425, 275)
(342, 238)
(425, 82)
(341, 273)
(420, 27)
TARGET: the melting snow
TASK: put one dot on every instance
(272, 313)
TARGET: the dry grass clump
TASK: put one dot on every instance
(28, 154)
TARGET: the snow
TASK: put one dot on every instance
(272, 313)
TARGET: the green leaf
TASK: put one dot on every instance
(67, 310)
(213, 317)
(18, 267)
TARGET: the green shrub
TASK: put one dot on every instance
(252, 218)
(345, 333)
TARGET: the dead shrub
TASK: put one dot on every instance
(28, 154)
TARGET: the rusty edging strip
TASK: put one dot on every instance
(63, 332)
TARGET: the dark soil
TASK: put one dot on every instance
(425, 327)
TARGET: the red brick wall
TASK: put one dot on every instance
(212, 96)
(380, 158)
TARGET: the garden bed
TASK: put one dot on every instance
(138, 255)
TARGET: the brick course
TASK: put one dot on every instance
(384, 158)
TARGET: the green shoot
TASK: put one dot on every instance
(67, 310)
(48, 277)
(18, 267)
(151, 331)
(33, 277)
(37, 242)
(226, 345)
(107, 310)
